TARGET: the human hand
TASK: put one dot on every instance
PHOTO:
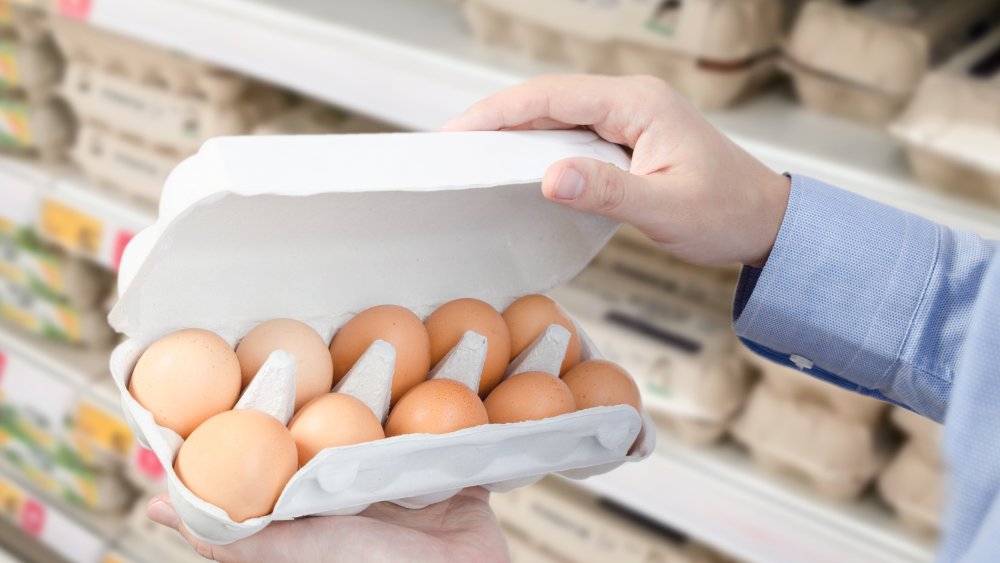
(461, 528)
(689, 188)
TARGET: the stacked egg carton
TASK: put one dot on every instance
(913, 482)
(864, 60)
(32, 120)
(712, 51)
(832, 438)
(665, 322)
(312, 118)
(553, 522)
(143, 109)
(47, 292)
(952, 128)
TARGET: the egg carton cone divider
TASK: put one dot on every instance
(324, 228)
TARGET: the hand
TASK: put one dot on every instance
(461, 528)
(689, 187)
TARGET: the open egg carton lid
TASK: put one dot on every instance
(956, 110)
(321, 227)
(882, 45)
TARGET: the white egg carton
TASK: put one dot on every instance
(35, 127)
(915, 488)
(684, 357)
(864, 61)
(128, 165)
(713, 51)
(143, 63)
(323, 228)
(311, 118)
(836, 456)
(951, 129)
(923, 434)
(796, 385)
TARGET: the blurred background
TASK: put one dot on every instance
(896, 99)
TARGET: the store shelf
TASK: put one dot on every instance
(718, 496)
(414, 63)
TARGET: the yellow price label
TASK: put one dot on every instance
(106, 430)
(10, 499)
(70, 227)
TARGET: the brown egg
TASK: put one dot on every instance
(185, 378)
(331, 420)
(530, 395)
(437, 406)
(528, 317)
(313, 365)
(596, 383)
(397, 326)
(448, 324)
(239, 461)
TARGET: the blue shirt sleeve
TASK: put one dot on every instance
(865, 296)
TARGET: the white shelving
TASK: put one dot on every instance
(717, 495)
(415, 64)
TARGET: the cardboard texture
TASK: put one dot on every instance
(312, 118)
(915, 489)
(713, 51)
(924, 435)
(682, 355)
(836, 456)
(128, 165)
(865, 61)
(456, 215)
(35, 127)
(27, 23)
(952, 127)
(29, 68)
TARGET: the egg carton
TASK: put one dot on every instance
(177, 122)
(865, 60)
(837, 457)
(23, 20)
(41, 128)
(915, 489)
(683, 356)
(127, 165)
(713, 51)
(105, 52)
(312, 118)
(51, 273)
(29, 68)
(52, 319)
(556, 518)
(923, 434)
(952, 127)
(481, 193)
(796, 385)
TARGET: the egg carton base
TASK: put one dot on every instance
(953, 177)
(833, 96)
(125, 164)
(708, 89)
(695, 432)
(914, 489)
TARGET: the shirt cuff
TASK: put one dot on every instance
(840, 289)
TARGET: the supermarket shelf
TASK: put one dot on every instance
(414, 63)
(718, 496)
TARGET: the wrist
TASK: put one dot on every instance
(773, 190)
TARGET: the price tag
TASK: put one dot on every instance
(71, 228)
(33, 517)
(3, 364)
(121, 241)
(10, 499)
(76, 9)
(148, 465)
(105, 430)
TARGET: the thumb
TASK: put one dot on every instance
(596, 187)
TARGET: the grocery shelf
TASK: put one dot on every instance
(718, 496)
(414, 63)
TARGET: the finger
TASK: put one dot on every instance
(597, 187)
(618, 108)
(477, 493)
(544, 123)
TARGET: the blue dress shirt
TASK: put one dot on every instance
(894, 306)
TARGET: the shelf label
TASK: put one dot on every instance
(121, 241)
(76, 9)
(107, 431)
(33, 517)
(148, 465)
(3, 364)
(72, 228)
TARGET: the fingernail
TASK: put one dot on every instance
(569, 185)
(449, 125)
(162, 513)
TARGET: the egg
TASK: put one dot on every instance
(530, 395)
(528, 317)
(238, 460)
(437, 406)
(185, 378)
(397, 326)
(313, 364)
(331, 420)
(596, 383)
(447, 325)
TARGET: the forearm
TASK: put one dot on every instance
(865, 296)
